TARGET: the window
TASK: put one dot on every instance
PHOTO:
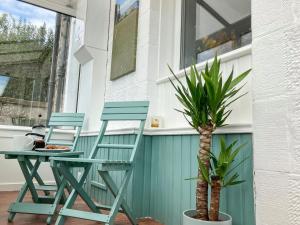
(32, 66)
(213, 26)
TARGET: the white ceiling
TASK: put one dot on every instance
(63, 6)
(231, 10)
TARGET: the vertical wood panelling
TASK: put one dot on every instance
(158, 187)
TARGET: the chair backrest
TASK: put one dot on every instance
(121, 111)
(74, 120)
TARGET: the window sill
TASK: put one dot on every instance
(28, 129)
(246, 50)
(230, 129)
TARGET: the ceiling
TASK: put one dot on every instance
(63, 6)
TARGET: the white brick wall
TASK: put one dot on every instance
(134, 86)
(276, 110)
(158, 45)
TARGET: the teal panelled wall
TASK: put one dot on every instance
(158, 187)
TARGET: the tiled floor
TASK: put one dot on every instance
(25, 219)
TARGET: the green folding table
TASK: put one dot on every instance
(47, 203)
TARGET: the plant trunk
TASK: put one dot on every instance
(202, 186)
(215, 199)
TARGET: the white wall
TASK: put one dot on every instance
(139, 85)
(11, 177)
(242, 109)
(158, 45)
(276, 114)
(88, 56)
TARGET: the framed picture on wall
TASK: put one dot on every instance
(125, 38)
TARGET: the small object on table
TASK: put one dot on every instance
(55, 147)
(39, 143)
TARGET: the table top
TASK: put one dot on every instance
(45, 154)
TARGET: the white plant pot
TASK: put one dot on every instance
(224, 219)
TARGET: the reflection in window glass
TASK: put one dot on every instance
(3, 83)
(27, 35)
(214, 26)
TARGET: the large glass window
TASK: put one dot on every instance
(213, 26)
(32, 62)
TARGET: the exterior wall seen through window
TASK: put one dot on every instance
(27, 53)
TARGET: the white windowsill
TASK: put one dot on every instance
(246, 50)
(230, 129)
(29, 129)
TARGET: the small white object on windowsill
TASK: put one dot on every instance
(156, 122)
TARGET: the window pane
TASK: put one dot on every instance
(213, 26)
(27, 35)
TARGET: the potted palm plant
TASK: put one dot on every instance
(205, 99)
(221, 174)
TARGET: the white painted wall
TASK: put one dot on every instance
(158, 45)
(274, 89)
(139, 85)
(11, 177)
(88, 56)
(276, 114)
(242, 109)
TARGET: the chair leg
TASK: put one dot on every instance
(75, 184)
(72, 197)
(58, 196)
(119, 195)
(69, 203)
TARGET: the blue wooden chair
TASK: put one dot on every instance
(45, 205)
(113, 111)
(74, 120)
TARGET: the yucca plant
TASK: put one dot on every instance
(221, 174)
(205, 99)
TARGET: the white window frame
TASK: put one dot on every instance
(235, 53)
(54, 5)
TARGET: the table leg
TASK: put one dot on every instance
(24, 189)
(37, 176)
(28, 177)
